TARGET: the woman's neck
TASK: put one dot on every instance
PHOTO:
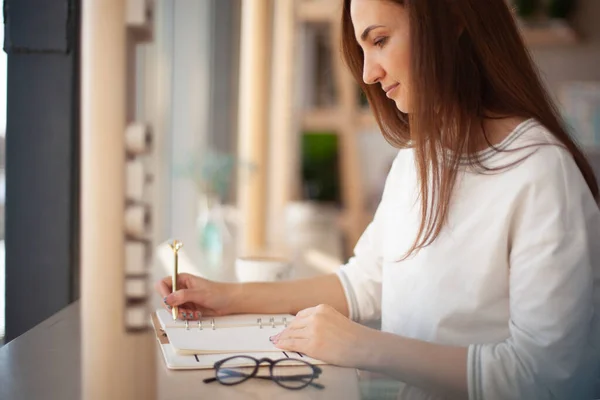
(493, 130)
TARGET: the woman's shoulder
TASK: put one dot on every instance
(532, 133)
(403, 159)
(544, 167)
(536, 152)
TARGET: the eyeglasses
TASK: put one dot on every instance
(289, 373)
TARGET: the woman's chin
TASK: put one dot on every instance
(402, 105)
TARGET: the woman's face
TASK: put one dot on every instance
(381, 29)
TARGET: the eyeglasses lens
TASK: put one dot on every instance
(292, 373)
(235, 370)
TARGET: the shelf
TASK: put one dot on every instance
(139, 20)
(319, 10)
(321, 119)
(535, 33)
(548, 33)
(331, 119)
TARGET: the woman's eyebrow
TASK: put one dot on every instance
(368, 30)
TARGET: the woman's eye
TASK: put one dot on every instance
(380, 42)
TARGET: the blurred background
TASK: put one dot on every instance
(263, 143)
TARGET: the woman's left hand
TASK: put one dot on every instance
(323, 333)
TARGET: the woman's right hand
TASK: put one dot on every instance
(196, 297)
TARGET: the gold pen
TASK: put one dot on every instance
(175, 246)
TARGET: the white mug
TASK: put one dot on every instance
(262, 269)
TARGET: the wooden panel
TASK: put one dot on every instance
(253, 124)
(114, 364)
(353, 198)
(319, 10)
(282, 132)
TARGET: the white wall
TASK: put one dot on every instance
(181, 68)
(580, 62)
(559, 64)
(190, 96)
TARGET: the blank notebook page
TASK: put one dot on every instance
(231, 334)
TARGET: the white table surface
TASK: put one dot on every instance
(44, 363)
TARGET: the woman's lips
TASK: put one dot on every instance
(391, 89)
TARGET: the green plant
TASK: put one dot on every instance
(560, 8)
(320, 169)
(526, 8)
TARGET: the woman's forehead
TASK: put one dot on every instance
(367, 13)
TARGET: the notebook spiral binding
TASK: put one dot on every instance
(258, 321)
(200, 327)
(272, 322)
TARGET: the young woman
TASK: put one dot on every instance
(482, 259)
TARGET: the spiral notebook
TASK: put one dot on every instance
(197, 346)
(227, 334)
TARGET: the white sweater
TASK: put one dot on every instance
(514, 276)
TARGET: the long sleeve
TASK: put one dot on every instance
(553, 351)
(361, 275)
(361, 278)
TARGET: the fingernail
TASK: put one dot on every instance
(165, 300)
(169, 307)
(199, 314)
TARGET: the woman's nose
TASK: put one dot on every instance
(372, 72)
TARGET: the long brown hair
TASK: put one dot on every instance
(471, 60)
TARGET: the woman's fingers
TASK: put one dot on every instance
(184, 310)
(307, 312)
(301, 320)
(182, 296)
(186, 313)
(300, 333)
(293, 344)
(188, 300)
(296, 329)
(297, 324)
(165, 285)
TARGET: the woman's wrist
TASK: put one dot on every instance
(234, 292)
(368, 351)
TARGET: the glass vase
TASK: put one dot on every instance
(214, 236)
